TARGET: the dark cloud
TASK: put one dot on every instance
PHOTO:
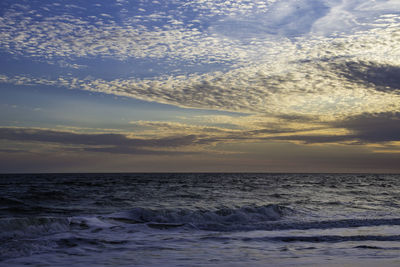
(384, 78)
(365, 128)
(134, 150)
(312, 139)
(109, 142)
(298, 118)
(11, 151)
(374, 127)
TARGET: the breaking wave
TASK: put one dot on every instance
(246, 218)
(223, 219)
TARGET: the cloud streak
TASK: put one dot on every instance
(369, 128)
(375, 127)
(104, 142)
(366, 128)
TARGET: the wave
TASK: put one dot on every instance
(246, 218)
(334, 238)
(28, 235)
(312, 239)
(31, 226)
(223, 219)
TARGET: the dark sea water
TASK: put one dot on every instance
(200, 220)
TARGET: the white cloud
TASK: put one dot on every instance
(289, 56)
(313, 88)
(72, 37)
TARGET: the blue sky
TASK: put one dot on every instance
(273, 85)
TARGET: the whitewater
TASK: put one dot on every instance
(203, 219)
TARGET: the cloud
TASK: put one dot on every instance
(248, 129)
(136, 151)
(70, 37)
(225, 31)
(305, 89)
(354, 15)
(316, 139)
(162, 128)
(380, 130)
(375, 127)
(289, 18)
(12, 151)
(366, 128)
(102, 142)
(273, 66)
(382, 77)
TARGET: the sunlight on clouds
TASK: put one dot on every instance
(308, 88)
(270, 75)
(299, 71)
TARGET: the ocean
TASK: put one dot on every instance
(200, 219)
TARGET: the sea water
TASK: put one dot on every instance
(200, 220)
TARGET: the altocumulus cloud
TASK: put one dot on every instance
(309, 88)
(281, 57)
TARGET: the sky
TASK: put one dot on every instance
(200, 86)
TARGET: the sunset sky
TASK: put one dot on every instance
(200, 86)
